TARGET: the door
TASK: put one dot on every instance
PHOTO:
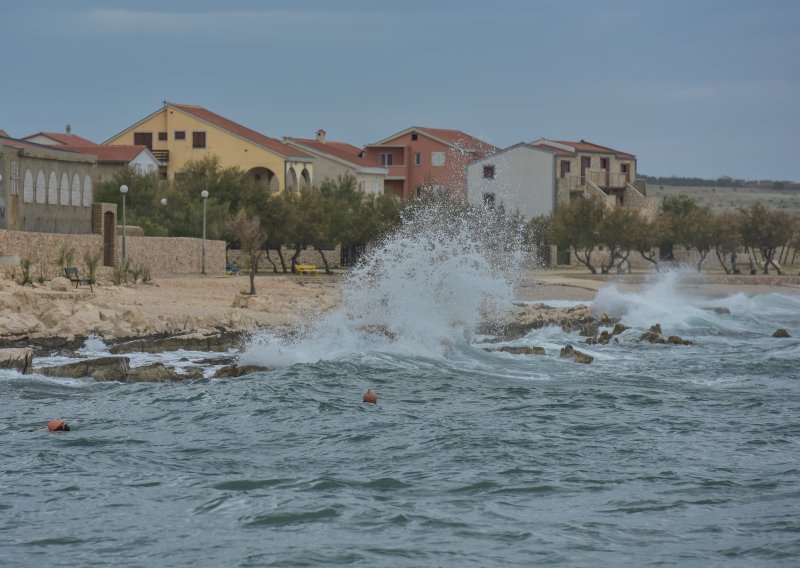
(586, 163)
(626, 169)
(109, 228)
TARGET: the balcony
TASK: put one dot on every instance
(162, 156)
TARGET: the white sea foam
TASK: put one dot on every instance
(421, 291)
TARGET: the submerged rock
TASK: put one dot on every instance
(570, 352)
(20, 359)
(675, 340)
(619, 328)
(235, 370)
(154, 373)
(652, 336)
(100, 369)
(522, 350)
(781, 333)
(189, 342)
(719, 310)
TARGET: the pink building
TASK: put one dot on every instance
(423, 160)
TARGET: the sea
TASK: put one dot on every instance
(652, 455)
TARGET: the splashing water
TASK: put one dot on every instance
(419, 292)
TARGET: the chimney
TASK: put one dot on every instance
(69, 129)
(321, 136)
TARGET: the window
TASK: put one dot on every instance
(414, 136)
(604, 163)
(417, 158)
(143, 139)
(488, 172)
(437, 158)
(488, 200)
(418, 192)
(198, 139)
(162, 136)
(387, 159)
(565, 167)
(180, 135)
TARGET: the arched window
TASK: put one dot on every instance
(87, 191)
(27, 187)
(64, 196)
(41, 187)
(52, 189)
(76, 190)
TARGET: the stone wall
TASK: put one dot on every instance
(161, 256)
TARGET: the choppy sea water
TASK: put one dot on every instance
(651, 455)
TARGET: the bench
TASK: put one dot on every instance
(305, 269)
(71, 272)
(232, 268)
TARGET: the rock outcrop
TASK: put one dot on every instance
(20, 359)
(781, 333)
(100, 369)
(570, 352)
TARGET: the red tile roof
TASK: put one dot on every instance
(341, 150)
(122, 154)
(17, 143)
(242, 131)
(458, 139)
(582, 146)
(453, 138)
(64, 139)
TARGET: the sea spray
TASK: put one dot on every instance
(420, 291)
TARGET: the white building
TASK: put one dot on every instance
(519, 178)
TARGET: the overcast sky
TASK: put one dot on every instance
(693, 88)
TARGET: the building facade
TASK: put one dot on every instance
(177, 134)
(520, 178)
(44, 188)
(536, 178)
(334, 159)
(420, 160)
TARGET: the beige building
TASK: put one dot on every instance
(583, 168)
(333, 159)
(44, 188)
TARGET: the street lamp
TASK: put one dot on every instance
(163, 201)
(123, 189)
(204, 195)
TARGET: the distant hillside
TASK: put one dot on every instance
(723, 181)
(731, 198)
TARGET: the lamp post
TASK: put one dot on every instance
(204, 195)
(123, 189)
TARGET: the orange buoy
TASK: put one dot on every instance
(58, 426)
(370, 396)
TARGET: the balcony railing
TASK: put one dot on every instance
(161, 155)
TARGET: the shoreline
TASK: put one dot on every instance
(47, 317)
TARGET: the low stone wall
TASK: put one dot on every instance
(169, 256)
(161, 256)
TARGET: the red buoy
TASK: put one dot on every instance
(58, 426)
(370, 396)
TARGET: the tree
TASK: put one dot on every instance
(142, 203)
(765, 230)
(674, 220)
(646, 235)
(698, 232)
(577, 225)
(251, 236)
(616, 232)
(727, 239)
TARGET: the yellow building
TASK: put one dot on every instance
(177, 134)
